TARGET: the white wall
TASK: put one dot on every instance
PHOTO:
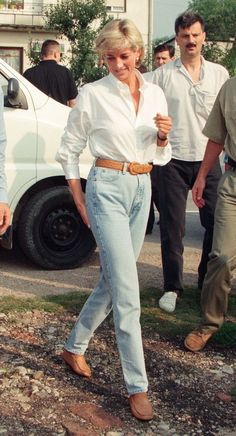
(136, 10)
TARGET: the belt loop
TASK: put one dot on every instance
(125, 167)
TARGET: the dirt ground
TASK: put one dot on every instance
(19, 277)
(39, 395)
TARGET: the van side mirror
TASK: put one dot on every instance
(15, 96)
(13, 89)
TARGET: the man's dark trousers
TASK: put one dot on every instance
(175, 180)
(154, 198)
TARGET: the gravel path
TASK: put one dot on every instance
(41, 396)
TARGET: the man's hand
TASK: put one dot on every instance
(197, 191)
(4, 217)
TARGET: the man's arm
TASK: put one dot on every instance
(73, 90)
(212, 152)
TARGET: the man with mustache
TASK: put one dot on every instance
(191, 85)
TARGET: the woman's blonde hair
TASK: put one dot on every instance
(119, 34)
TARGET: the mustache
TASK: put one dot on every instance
(190, 44)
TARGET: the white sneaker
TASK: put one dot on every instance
(168, 301)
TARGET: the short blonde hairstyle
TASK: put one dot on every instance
(119, 34)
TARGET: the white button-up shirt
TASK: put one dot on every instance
(104, 118)
(189, 104)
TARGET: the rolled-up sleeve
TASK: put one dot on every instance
(74, 139)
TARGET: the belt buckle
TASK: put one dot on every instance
(138, 168)
(135, 168)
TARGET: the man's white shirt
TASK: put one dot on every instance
(189, 104)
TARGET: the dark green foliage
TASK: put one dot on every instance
(220, 18)
(226, 336)
(80, 21)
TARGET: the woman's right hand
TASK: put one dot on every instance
(83, 213)
(79, 199)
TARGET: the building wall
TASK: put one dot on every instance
(20, 27)
(137, 11)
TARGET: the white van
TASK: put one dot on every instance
(45, 221)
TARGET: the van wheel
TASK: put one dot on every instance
(51, 232)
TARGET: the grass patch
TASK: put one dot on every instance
(233, 392)
(226, 336)
(71, 302)
(14, 304)
(186, 317)
(54, 304)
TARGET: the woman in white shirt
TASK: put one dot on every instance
(124, 121)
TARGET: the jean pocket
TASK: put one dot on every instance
(106, 175)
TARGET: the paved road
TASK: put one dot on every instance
(20, 277)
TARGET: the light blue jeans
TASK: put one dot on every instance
(118, 205)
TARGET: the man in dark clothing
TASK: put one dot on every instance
(51, 78)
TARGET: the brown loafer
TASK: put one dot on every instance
(196, 340)
(141, 407)
(77, 362)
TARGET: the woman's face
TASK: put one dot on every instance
(121, 62)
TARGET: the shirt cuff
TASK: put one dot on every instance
(71, 170)
(163, 155)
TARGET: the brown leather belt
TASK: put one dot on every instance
(133, 168)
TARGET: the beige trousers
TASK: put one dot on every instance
(217, 283)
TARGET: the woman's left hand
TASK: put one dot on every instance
(163, 123)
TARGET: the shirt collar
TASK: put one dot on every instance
(51, 61)
(179, 64)
(122, 86)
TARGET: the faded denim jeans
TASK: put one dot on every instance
(118, 205)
